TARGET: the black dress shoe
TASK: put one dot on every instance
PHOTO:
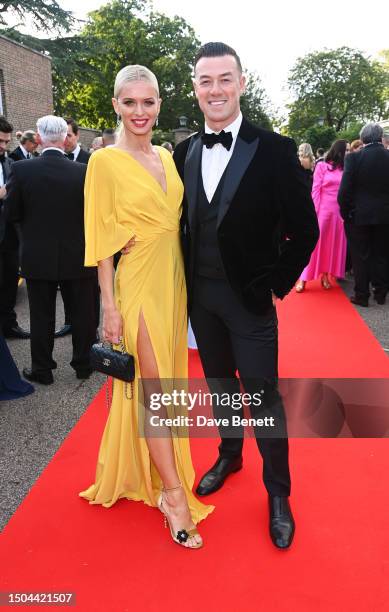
(359, 301)
(63, 331)
(44, 378)
(83, 373)
(215, 477)
(281, 522)
(16, 332)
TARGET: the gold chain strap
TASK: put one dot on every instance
(108, 399)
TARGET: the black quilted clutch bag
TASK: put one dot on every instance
(111, 362)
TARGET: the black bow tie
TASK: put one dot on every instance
(70, 156)
(225, 138)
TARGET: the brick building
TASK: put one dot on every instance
(25, 85)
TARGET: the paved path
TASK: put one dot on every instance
(33, 428)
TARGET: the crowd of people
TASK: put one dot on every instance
(350, 191)
(233, 203)
(40, 256)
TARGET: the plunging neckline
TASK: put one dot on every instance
(165, 193)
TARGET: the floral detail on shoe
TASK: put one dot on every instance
(182, 536)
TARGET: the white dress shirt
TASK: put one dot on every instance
(26, 154)
(214, 161)
(1, 175)
(76, 152)
(53, 149)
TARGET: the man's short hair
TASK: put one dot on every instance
(51, 128)
(27, 136)
(371, 132)
(5, 126)
(73, 123)
(217, 49)
(108, 132)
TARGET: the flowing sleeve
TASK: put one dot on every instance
(104, 235)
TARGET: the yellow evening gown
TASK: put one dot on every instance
(122, 200)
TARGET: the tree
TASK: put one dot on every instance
(319, 136)
(254, 102)
(127, 32)
(334, 88)
(45, 14)
(351, 132)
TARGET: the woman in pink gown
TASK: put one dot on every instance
(329, 256)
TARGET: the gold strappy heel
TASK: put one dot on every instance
(182, 535)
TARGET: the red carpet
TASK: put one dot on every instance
(122, 558)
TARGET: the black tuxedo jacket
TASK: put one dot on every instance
(17, 155)
(267, 225)
(364, 190)
(46, 195)
(9, 239)
(83, 157)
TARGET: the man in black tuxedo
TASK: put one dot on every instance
(364, 205)
(73, 152)
(249, 228)
(73, 149)
(9, 248)
(26, 148)
(46, 195)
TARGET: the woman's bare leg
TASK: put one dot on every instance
(161, 449)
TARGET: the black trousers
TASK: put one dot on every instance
(230, 338)
(66, 297)
(42, 300)
(9, 277)
(369, 253)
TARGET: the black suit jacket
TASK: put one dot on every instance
(9, 239)
(83, 157)
(46, 195)
(267, 226)
(364, 190)
(17, 155)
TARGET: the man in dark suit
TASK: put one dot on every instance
(73, 149)
(245, 193)
(74, 152)
(26, 148)
(46, 195)
(364, 205)
(9, 247)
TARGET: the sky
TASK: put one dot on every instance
(269, 36)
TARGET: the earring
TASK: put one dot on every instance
(118, 119)
(156, 123)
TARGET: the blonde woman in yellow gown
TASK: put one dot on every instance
(133, 197)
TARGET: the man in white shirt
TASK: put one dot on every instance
(73, 150)
(244, 193)
(26, 148)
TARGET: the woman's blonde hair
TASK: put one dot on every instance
(134, 73)
(305, 150)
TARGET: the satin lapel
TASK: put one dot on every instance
(191, 175)
(238, 164)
